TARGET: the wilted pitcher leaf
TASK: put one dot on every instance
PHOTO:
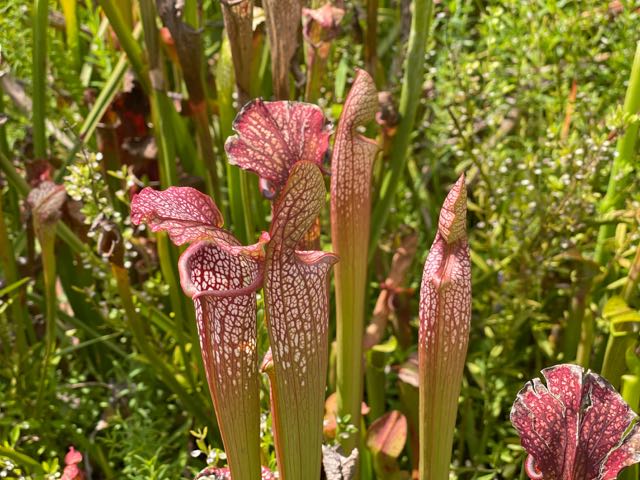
(188, 45)
(238, 19)
(327, 18)
(321, 25)
(46, 202)
(577, 427)
(401, 262)
(386, 438)
(283, 25)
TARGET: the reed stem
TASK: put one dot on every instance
(39, 77)
(622, 162)
(409, 100)
(127, 42)
(21, 320)
(371, 38)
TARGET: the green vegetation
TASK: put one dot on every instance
(534, 101)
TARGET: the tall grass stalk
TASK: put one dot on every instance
(623, 161)
(189, 49)
(371, 38)
(39, 76)
(631, 390)
(127, 41)
(22, 324)
(205, 147)
(240, 208)
(409, 100)
(578, 337)
(69, 9)
(98, 109)
(4, 143)
(14, 178)
(167, 253)
(235, 66)
(163, 118)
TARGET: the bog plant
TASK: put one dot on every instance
(222, 277)
(575, 427)
(445, 317)
(105, 351)
(284, 142)
(351, 166)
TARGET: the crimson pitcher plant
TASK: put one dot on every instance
(351, 164)
(297, 308)
(222, 278)
(577, 427)
(273, 136)
(284, 143)
(445, 315)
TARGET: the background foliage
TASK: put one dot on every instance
(496, 102)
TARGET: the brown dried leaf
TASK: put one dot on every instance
(188, 44)
(400, 264)
(283, 25)
(238, 20)
(388, 434)
(46, 202)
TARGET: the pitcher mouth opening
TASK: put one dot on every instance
(249, 271)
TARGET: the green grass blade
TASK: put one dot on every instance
(624, 160)
(409, 99)
(39, 78)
